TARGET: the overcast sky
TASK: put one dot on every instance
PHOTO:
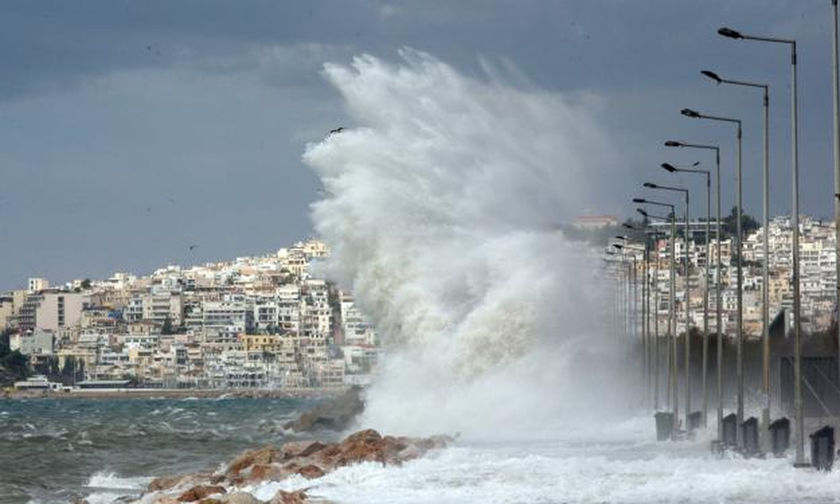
(130, 130)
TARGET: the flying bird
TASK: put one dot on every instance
(192, 247)
(337, 130)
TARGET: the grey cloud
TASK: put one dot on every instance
(110, 107)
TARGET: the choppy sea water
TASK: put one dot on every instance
(58, 450)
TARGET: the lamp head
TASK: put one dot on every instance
(639, 200)
(649, 185)
(627, 226)
(668, 166)
(711, 75)
(642, 212)
(690, 113)
(620, 237)
(618, 246)
(674, 143)
(729, 32)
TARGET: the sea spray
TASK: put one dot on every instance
(442, 210)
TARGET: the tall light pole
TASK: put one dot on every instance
(835, 80)
(619, 298)
(673, 169)
(797, 305)
(738, 260)
(632, 304)
(718, 297)
(765, 295)
(645, 304)
(624, 248)
(687, 291)
(672, 356)
(656, 371)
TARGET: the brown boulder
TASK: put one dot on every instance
(364, 436)
(241, 498)
(164, 483)
(165, 499)
(283, 497)
(264, 455)
(336, 413)
(310, 471)
(263, 472)
(301, 448)
(201, 491)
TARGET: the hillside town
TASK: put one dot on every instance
(817, 263)
(255, 322)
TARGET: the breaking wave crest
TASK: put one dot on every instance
(442, 213)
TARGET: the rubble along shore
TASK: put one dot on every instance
(310, 459)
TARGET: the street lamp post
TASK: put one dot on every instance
(624, 248)
(645, 292)
(673, 169)
(672, 355)
(687, 291)
(656, 352)
(617, 295)
(718, 297)
(632, 288)
(738, 260)
(797, 305)
(765, 297)
(835, 80)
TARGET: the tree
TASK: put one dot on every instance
(167, 326)
(73, 370)
(13, 363)
(729, 224)
(85, 284)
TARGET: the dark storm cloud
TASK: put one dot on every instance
(130, 129)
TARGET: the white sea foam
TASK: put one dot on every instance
(112, 481)
(623, 465)
(442, 217)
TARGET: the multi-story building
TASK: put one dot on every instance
(51, 310)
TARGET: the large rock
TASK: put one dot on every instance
(264, 455)
(310, 471)
(200, 492)
(269, 472)
(334, 414)
(283, 497)
(164, 483)
(310, 459)
(241, 498)
(301, 448)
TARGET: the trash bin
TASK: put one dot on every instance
(664, 425)
(694, 420)
(780, 436)
(749, 431)
(822, 448)
(730, 424)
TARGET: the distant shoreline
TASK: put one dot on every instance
(146, 393)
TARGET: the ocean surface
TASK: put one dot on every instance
(60, 450)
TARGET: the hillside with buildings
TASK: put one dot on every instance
(254, 322)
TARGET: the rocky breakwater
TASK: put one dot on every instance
(310, 459)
